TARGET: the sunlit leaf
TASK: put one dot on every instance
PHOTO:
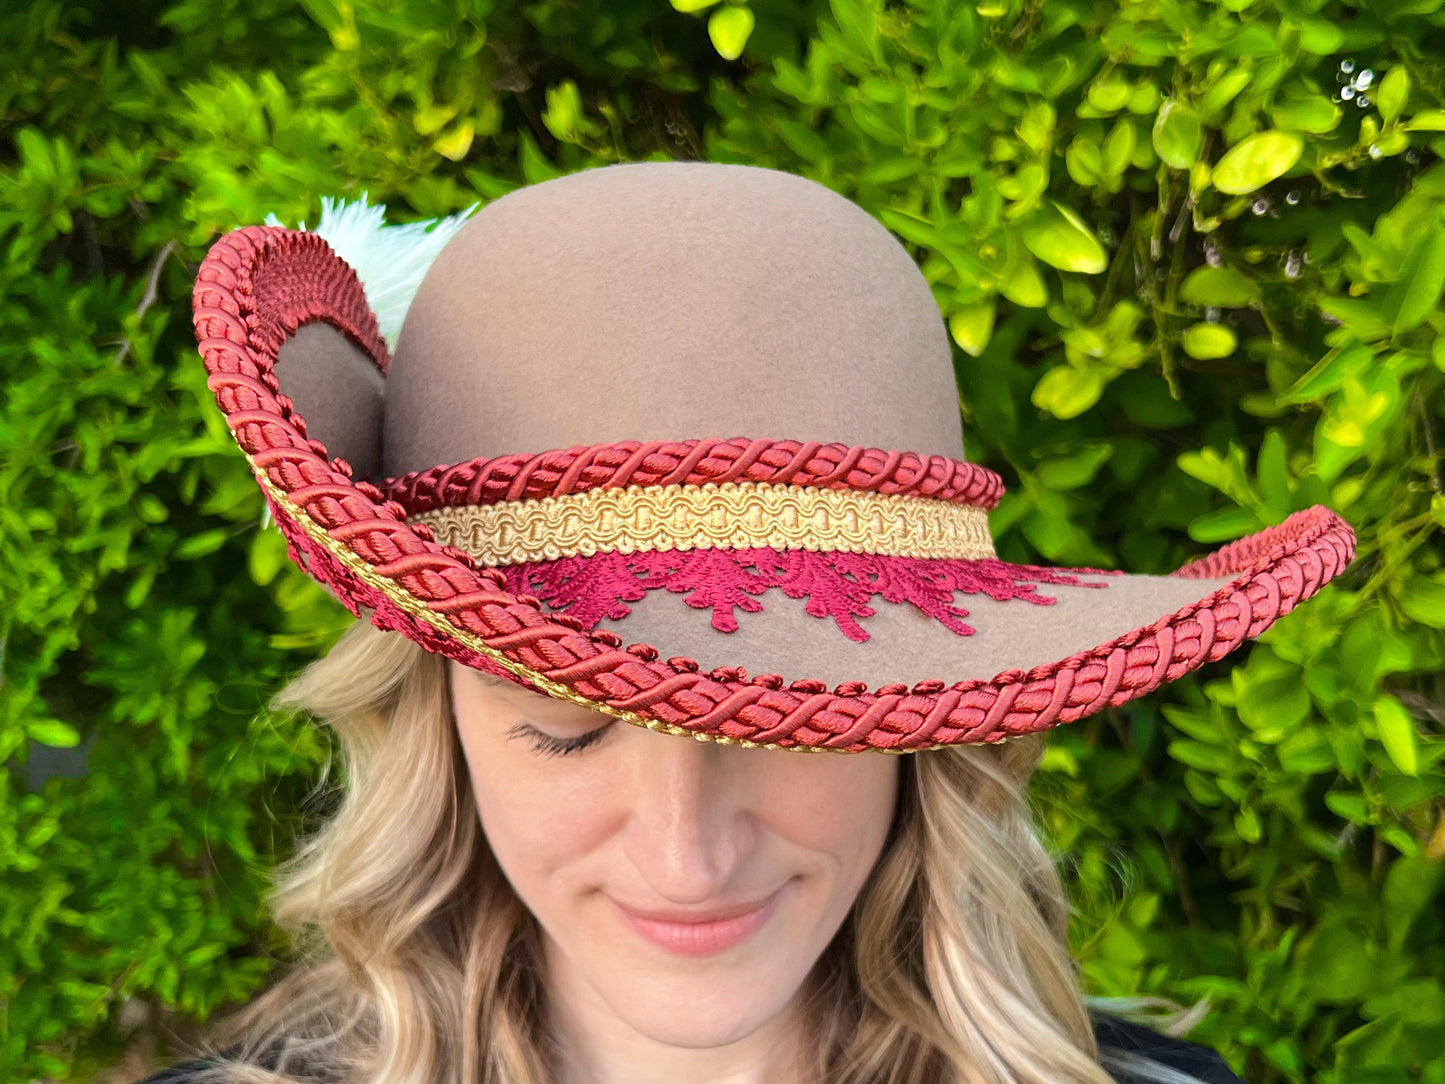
(1392, 93)
(1424, 600)
(1256, 160)
(1323, 37)
(1066, 392)
(1416, 294)
(1025, 286)
(1427, 120)
(971, 325)
(1059, 237)
(1315, 114)
(729, 27)
(52, 732)
(1396, 728)
(456, 143)
(1206, 341)
(1178, 136)
(1220, 287)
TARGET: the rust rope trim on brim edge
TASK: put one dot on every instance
(238, 342)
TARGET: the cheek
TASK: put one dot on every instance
(835, 806)
(540, 827)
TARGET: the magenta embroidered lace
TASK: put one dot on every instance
(837, 585)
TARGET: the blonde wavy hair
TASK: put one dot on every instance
(420, 965)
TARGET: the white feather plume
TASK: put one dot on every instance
(390, 260)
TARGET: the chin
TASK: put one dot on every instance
(712, 1016)
(701, 1004)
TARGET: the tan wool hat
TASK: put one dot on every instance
(680, 441)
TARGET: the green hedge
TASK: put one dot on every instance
(1191, 254)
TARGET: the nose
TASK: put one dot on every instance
(690, 826)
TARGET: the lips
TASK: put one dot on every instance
(700, 933)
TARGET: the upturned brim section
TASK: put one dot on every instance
(258, 285)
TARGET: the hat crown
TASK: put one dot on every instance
(669, 301)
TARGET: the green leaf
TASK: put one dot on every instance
(729, 27)
(1206, 341)
(1423, 599)
(456, 143)
(1410, 886)
(1349, 805)
(1256, 160)
(1246, 825)
(324, 13)
(1396, 728)
(1062, 239)
(1332, 966)
(1427, 120)
(1221, 287)
(1392, 93)
(1036, 127)
(1025, 286)
(972, 325)
(1273, 471)
(1322, 37)
(430, 120)
(1109, 95)
(1360, 315)
(1084, 160)
(1329, 373)
(1224, 525)
(267, 555)
(1066, 392)
(563, 114)
(198, 545)
(1315, 114)
(1417, 292)
(52, 732)
(1224, 90)
(891, 168)
(1178, 136)
(1073, 471)
(1214, 759)
(1118, 147)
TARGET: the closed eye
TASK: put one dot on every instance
(549, 746)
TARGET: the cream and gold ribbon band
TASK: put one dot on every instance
(733, 515)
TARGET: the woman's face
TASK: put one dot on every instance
(683, 887)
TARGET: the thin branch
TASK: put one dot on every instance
(148, 298)
(1419, 404)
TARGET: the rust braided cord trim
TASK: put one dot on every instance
(436, 596)
(565, 471)
(728, 516)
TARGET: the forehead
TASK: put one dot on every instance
(475, 686)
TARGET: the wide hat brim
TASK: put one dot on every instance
(259, 285)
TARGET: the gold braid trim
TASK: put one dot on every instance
(733, 515)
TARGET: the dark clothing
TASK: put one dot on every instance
(1198, 1061)
(1111, 1032)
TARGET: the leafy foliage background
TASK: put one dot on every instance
(1191, 253)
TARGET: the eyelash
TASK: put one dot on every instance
(548, 746)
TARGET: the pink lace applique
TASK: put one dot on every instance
(837, 585)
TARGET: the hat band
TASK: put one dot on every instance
(744, 515)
